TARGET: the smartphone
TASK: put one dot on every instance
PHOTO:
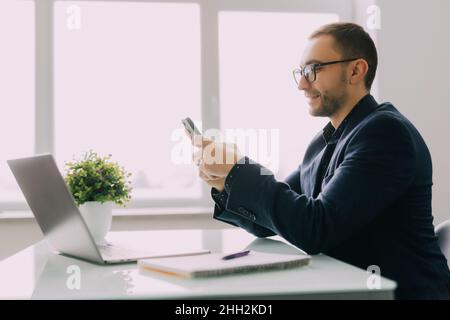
(190, 127)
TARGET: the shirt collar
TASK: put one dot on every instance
(361, 109)
(327, 132)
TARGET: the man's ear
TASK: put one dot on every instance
(359, 71)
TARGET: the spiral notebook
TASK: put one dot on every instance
(211, 265)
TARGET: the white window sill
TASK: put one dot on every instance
(154, 212)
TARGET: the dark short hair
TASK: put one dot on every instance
(353, 42)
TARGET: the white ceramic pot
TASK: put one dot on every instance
(98, 217)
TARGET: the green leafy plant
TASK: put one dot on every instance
(95, 178)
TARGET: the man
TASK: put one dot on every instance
(363, 191)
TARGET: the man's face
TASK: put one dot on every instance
(329, 91)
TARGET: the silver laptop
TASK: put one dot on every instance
(59, 218)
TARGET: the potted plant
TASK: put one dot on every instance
(96, 184)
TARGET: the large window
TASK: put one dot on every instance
(124, 78)
(118, 76)
(16, 90)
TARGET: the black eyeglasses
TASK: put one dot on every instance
(309, 71)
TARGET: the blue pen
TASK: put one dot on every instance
(236, 255)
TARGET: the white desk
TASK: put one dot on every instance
(37, 273)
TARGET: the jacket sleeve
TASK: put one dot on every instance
(239, 220)
(293, 180)
(240, 217)
(376, 169)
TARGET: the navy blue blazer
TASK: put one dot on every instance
(372, 207)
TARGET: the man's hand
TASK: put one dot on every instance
(215, 160)
(217, 183)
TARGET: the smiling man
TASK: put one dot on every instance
(363, 191)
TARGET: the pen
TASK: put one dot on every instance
(236, 255)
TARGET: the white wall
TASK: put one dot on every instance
(414, 74)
